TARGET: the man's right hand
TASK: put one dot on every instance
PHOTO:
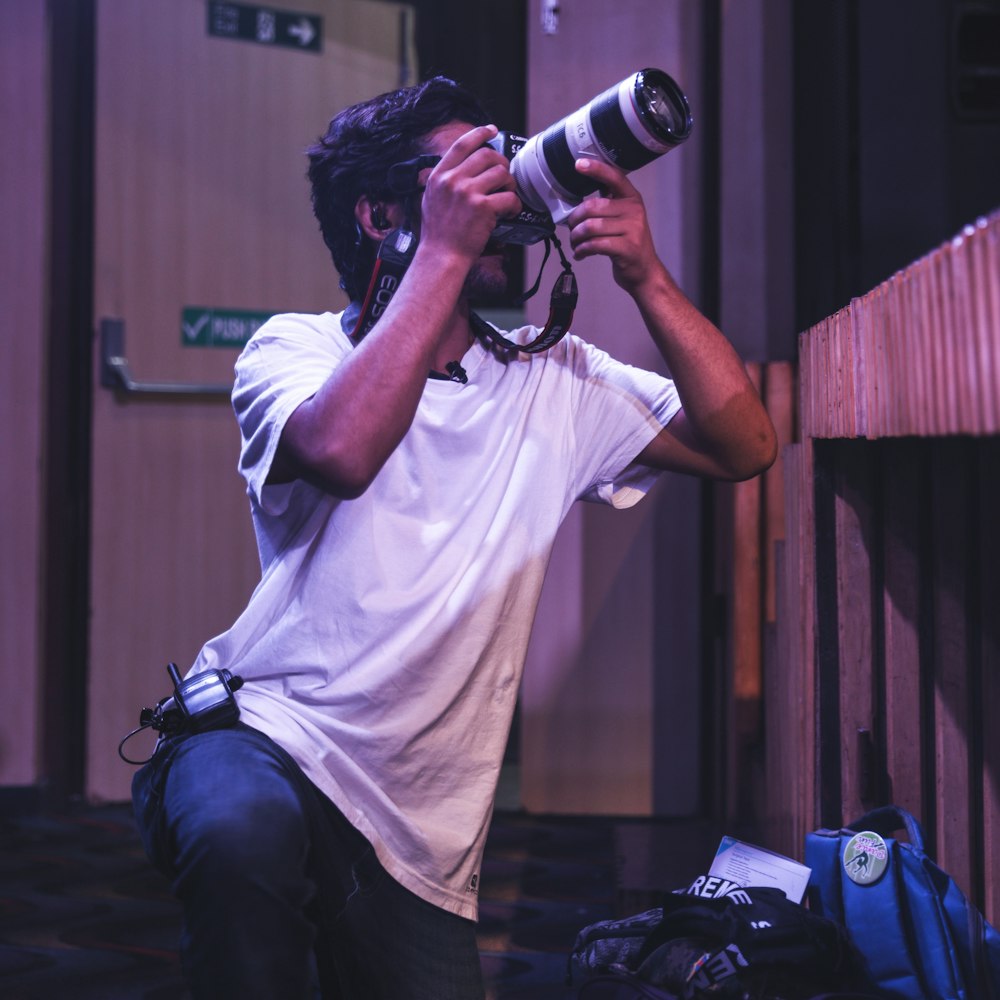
(469, 190)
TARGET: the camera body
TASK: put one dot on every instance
(630, 124)
(530, 225)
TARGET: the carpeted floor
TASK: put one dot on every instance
(83, 916)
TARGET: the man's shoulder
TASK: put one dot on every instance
(288, 342)
(290, 324)
(289, 331)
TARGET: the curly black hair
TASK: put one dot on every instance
(354, 156)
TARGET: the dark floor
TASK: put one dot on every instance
(84, 916)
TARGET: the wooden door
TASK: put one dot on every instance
(201, 202)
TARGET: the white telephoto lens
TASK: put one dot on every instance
(630, 124)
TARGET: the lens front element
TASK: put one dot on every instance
(629, 125)
(662, 106)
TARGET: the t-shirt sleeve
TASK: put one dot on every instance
(285, 363)
(618, 410)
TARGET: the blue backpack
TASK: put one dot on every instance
(917, 934)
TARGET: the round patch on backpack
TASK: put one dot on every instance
(866, 858)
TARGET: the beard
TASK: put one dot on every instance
(487, 281)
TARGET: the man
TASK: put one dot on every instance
(404, 525)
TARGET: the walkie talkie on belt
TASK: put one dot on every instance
(201, 702)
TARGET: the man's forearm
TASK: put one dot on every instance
(343, 435)
(721, 405)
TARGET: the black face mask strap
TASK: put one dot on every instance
(562, 304)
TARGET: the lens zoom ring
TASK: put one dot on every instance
(560, 161)
(614, 136)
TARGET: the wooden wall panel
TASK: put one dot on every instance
(854, 522)
(789, 694)
(806, 725)
(746, 647)
(952, 672)
(754, 515)
(915, 356)
(780, 401)
(747, 585)
(902, 483)
(988, 540)
(23, 273)
(909, 648)
(904, 384)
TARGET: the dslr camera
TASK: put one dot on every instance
(629, 125)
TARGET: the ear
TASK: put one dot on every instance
(374, 218)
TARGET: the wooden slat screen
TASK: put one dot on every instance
(756, 513)
(919, 355)
(883, 681)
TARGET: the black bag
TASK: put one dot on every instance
(633, 988)
(611, 946)
(753, 943)
(622, 987)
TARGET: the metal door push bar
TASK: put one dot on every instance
(115, 372)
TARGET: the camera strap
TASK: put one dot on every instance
(562, 304)
(395, 253)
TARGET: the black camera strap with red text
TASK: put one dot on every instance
(395, 253)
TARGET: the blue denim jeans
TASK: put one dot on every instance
(281, 896)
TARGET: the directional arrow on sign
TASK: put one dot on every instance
(303, 31)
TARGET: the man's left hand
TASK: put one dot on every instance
(612, 223)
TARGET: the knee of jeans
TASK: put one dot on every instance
(241, 828)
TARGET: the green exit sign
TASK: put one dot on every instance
(210, 327)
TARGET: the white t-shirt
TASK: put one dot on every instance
(384, 644)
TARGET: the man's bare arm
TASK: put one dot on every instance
(342, 435)
(723, 430)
